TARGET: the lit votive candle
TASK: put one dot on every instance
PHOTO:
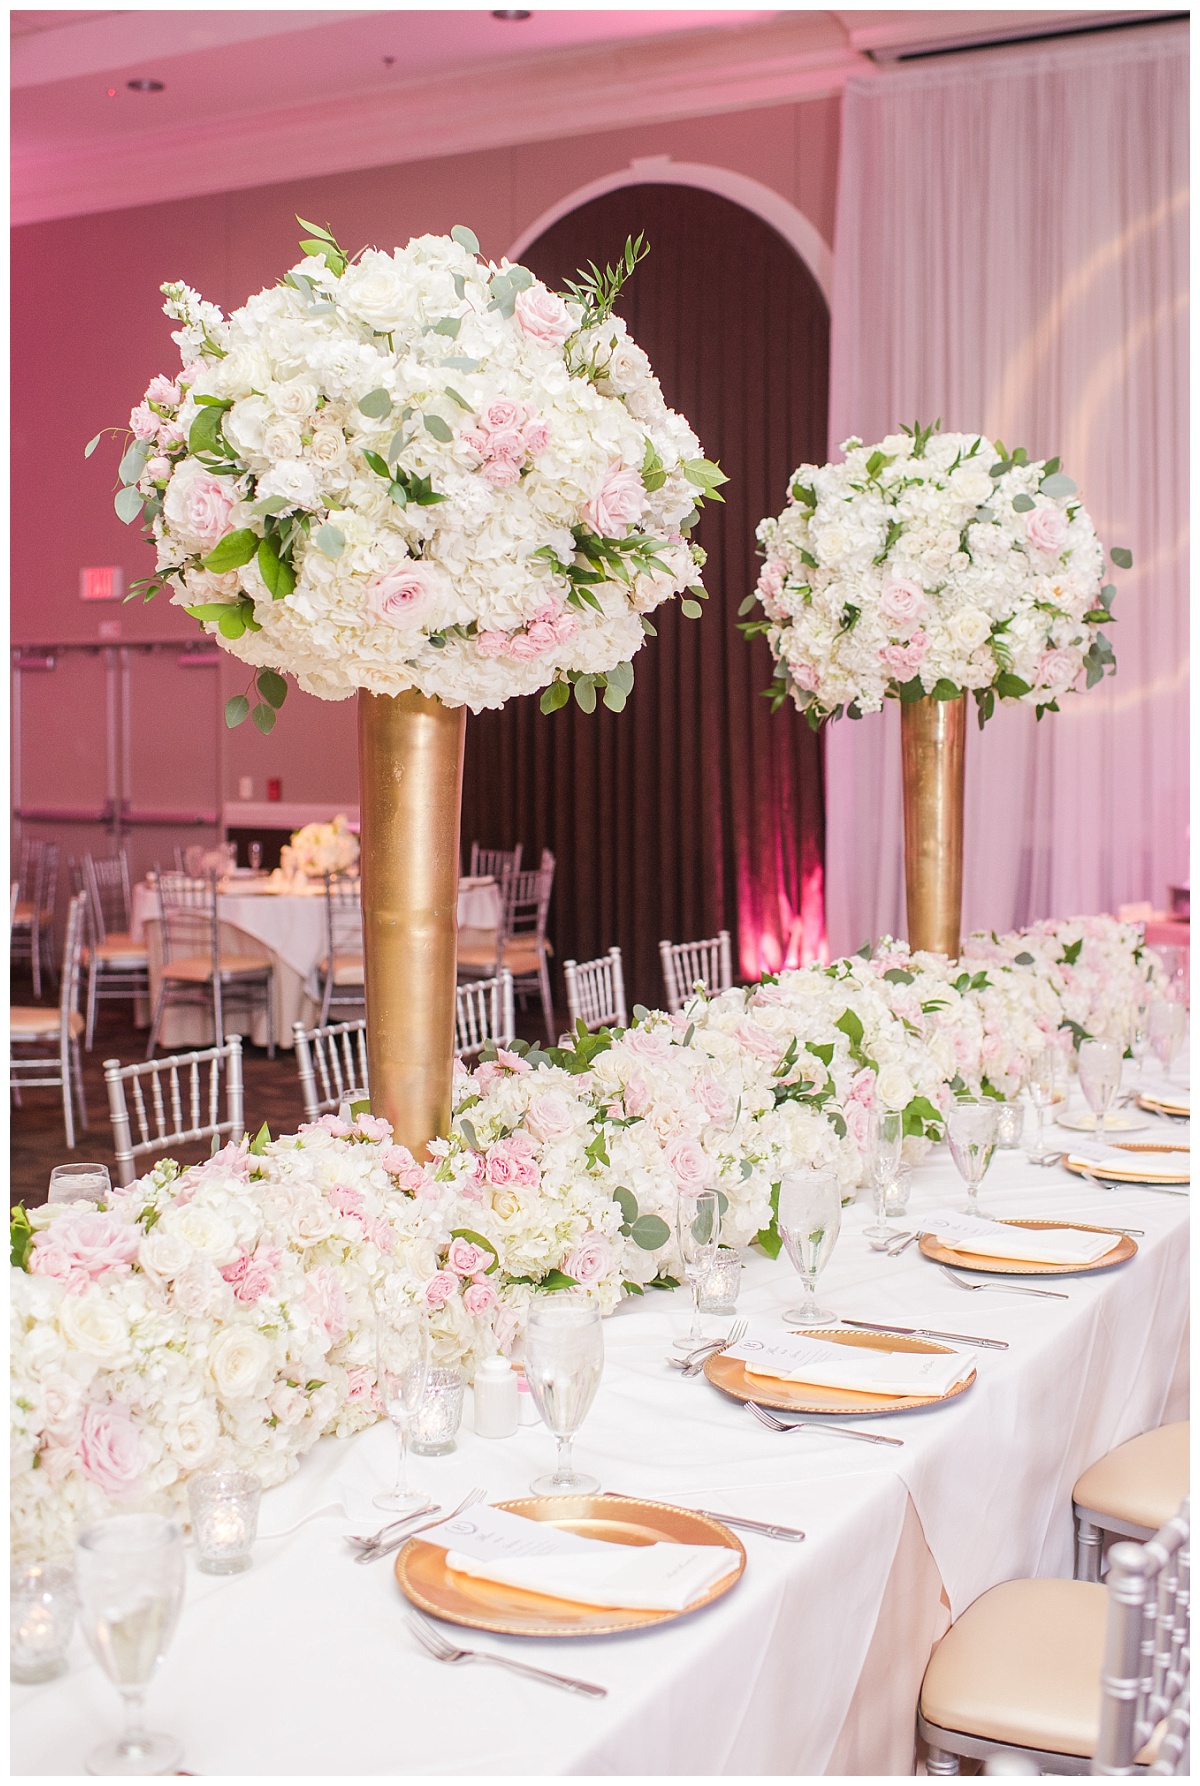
(224, 1506)
(42, 1616)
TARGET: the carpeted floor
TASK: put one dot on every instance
(37, 1138)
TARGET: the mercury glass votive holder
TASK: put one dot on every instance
(720, 1284)
(42, 1617)
(439, 1415)
(224, 1505)
(898, 1193)
(1010, 1123)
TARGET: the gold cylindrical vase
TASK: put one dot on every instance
(410, 762)
(933, 737)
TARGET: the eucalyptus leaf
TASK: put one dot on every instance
(272, 687)
(376, 404)
(264, 718)
(438, 428)
(128, 504)
(133, 462)
(330, 540)
(236, 709)
(1058, 484)
(1122, 556)
(693, 610)
(628, 1204)
(649, 1232)
(554, 697)
(92, 444)
(615, 699)
(585, 696)
(1023, 503)
(466, 238)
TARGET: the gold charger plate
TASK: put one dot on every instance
(731, 1375)
(944, 1255)
(489, 1606)
(1130, 1174)
(1146, 1100)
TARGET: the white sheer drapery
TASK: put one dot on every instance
(1011, 255)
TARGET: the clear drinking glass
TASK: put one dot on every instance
(698, 1228)
(1043, 1091)
(129, 1575)
(41, 1619)
(564, 1361)
(971, 1132)
(810, 1220)
(720, 1284)
(402, 1366)
(82, 1179)
(224, 1508)
(439, 1416)
(885, 1141)
(1167, 1024)
(1139, 1035)
(1099, 1076)
(255, 856)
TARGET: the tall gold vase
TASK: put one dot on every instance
(933, 737)
(410, 762)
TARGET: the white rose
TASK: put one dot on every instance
(376, 290)
(972, 484)
(164, 1255)
(296, 398)
(293, 480)
(61, 1397)
(92, 1324)
(244, 426)
(281, 440)
(894, 1088)
(204, 1229)
(201, 1290)
(968, 628)
(192, 1434)
(238, 1359)
(328, 448)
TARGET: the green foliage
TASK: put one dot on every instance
(261, 1141)
(504, 288)
(128, 503)
(649, 1232)
(597, 292)
(1122, 556)
(322, 242)
(276, 570)
(330, 540)
(236, 709)
(555, 1280)
(376, 404)
(466, 238)
(230, 553)
(20, 1237)
(272, 687)
(1010, 687)
(706, 475)
(1072, 952)
(769, 1238)
(263, 718)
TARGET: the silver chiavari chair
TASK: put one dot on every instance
(483, 1014)
(117, 966)
(342, 968)
(195, 970)
(520, 943)
(688, 966)
(174, 1101)
(40, 1026)
(596, 992)
(497, 863)
(32, 934)
(332, 1063)
(1146, 1681)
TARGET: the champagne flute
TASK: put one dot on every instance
(810, 1220)
(1042, 1081)
(402, 1366)
(971, 1132)
(1166, 1022)
(1099, 1076)
(885, 1141)
(564, 1361)
(129, 1574)
(698, 1228)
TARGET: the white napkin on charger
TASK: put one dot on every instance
(495, 1545)
(1036, 1246)
(1132, 1162)
(793, 1359)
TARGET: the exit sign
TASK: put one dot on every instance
(102, 583)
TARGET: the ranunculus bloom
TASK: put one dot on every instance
(405, 598)
(903, 601)
(1046, 528)
(619, 502)
(543, 315)
(163, 390)
(478, 1299)
(466, 1258)
(535, 641)
(511, 1162)
(491, 644)
(110, 1449)
(771, 577)
(144, 422)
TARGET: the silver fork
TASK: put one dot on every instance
(372, 1553)
(1016, 1289)
(700, 1352)
(901, 1244)
(442, 1650)
(736, 1332)
(365, 1541)
(817, 1426)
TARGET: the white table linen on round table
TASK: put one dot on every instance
(289, 928)
(304, 1665)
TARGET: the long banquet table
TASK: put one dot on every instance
(812, 1664)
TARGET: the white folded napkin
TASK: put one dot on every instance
(1130, 1163)
(996, 1240)
(1172, 1098)
(499, 1546)
(826, 1365)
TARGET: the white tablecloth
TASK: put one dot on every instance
(304, 1665)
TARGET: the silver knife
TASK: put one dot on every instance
(964, 1339)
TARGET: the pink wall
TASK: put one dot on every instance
(88, 333)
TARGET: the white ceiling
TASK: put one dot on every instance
(251, 97)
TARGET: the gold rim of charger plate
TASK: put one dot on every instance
(1126, 1175)
(731, 1376)
(944, 1255)
(513, 1612)
(1146, 1100)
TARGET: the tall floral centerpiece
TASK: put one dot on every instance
(924, 569)
(427, 480)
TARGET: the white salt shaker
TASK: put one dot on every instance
(495, 1399)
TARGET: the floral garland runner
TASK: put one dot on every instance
(225, 1314)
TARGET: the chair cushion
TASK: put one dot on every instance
(119, 950)
(476, 948)
(347, 969)
(1022, 1665)
(30, 1023)
(198, 968)
(521, 955)
(1142, 1482)
(24, 913)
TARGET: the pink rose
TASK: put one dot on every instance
(405, 598)
(906, 660)
(863, 1089)
(589, 1261)
(1046, 528)
(79, 1249)
(515, 1063)
(504, 415)
(191, 372)
(479, 1298)
(163, 390)
(375, 1128)
(507, 443)
(382, 1233)
(805, 676)
(347, 1201)
(1056, 668)
(715, 1099)
(902, 601)
(858, 1124)
(551, 1115)
(537, 435)
(198, 502)
(565, 627)
(158, 467)
(440, 1288)
(501, 473)
(360, 1384)
(543, 316)
(110, 1450)
(332, 1125)
(466, 1258)
(771, 578)
(491, 644)
(758, 1039)
(637, 1095)
(476, 439)
(687, 1163)
(511, 1162)
(617, 504)
(144, 422)
(535, 641)
(650, 1043)
(325, 1301)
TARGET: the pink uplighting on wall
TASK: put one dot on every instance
(794, 939)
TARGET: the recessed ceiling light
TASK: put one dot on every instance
(510, 18)
(145, 86)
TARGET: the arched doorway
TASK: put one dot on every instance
(695, 808)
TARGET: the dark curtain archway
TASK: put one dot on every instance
(696, 808)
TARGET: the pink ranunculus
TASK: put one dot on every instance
(479, 1299)
(144, 422)
(111, 1453)
(511, 1162)
(543, 316)
(536, 434)
(502, 473)
(688, 1165)
(1046, 528)
(504, 415)
(771, 578)
(619, 502)
(535, 641)
(902, 601)
(440, 1288)
(1056, 668)
(906, 660)
(466, 1258)
(406, 597)
(588, 1262)
(325, 1300)
(89, 1244)
(163, 390)
(490, 644)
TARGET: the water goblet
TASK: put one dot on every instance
(1099, 1076)
(698, 1228)
(78, 1180)
(402, 1366)
(1166, 1022)
(564, 1361)
(129, 1574)
(885, 1141)
(971, 1132)
(810, 1220)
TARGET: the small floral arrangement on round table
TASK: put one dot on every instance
(319, 849)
